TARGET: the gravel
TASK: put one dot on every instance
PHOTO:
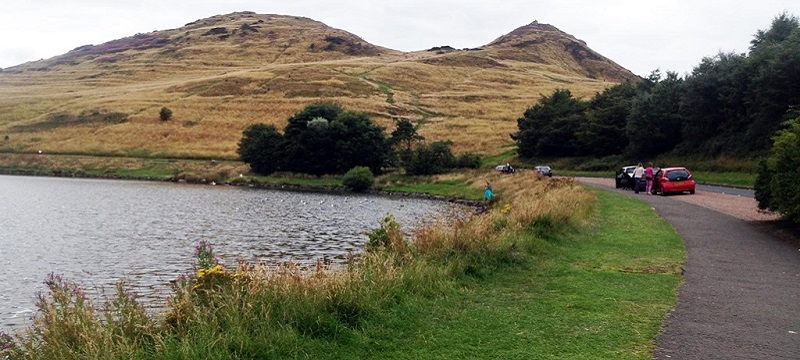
(741, 207)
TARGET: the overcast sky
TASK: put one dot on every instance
(640, 35)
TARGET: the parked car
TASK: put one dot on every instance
(624, 177)
(544, 170)
(507, 168)
(673, 180)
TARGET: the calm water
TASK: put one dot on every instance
(98, 231)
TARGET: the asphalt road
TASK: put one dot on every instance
(741, 295)
(727, 190)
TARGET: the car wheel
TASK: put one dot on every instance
(691, 192)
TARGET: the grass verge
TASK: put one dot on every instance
(738, 179)
(599, 292)
(458, 186)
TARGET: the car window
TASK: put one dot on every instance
(677, 175)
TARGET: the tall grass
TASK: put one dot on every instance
(256, 311)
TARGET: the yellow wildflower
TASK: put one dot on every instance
(216, 269)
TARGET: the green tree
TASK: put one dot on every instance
(549, 128)
(603, 132)
(310, 146)
(776, 186)
(430, 159)
(405, 136)
(403, 139)
(774, 65)
(262, 147)
(714, 105)
(325, 139)
(468, 160)
(783, 27)
(655, 121)
(359, 142)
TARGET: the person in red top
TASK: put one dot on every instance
(648, 176)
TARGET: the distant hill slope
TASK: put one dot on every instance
(219, 75)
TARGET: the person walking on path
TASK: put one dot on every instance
(637, 177)
(648, 176)
(487, 192)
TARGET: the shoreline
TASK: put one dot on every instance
(480, 206)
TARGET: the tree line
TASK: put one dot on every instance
(730, 104)
(323, 139)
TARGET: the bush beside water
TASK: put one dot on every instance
(358, 179)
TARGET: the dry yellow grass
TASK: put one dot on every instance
(265, 68)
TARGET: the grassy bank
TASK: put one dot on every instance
(552, 271)
(221, 171)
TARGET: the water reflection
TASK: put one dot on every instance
(98, 231)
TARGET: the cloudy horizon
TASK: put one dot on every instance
(640, 36)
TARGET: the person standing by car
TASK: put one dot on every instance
(648, 176)
(637, 177)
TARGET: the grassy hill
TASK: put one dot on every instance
(221, 74)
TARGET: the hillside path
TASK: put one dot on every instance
(741, 295)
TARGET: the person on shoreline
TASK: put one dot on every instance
(487, 192)
(648, 176)
(637, 177)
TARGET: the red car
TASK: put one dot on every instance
(673, 180)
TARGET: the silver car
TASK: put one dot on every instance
(544, 170)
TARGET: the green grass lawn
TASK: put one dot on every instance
(595, 293)
(310, 181)
(739, 179)
(457, 188)
(144, 173)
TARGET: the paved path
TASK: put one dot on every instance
(727, 190)
(741, 296)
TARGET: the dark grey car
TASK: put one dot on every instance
(544, 170)
(624, 177)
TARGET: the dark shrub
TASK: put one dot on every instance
(359, 178)
(469, 161)
(321, 139)
(216, 31)
(325, 139)
(165, 114)
(776, 185)
(430, 159)
(262, 146)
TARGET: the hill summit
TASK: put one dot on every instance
(546, 44)
(220, 74)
